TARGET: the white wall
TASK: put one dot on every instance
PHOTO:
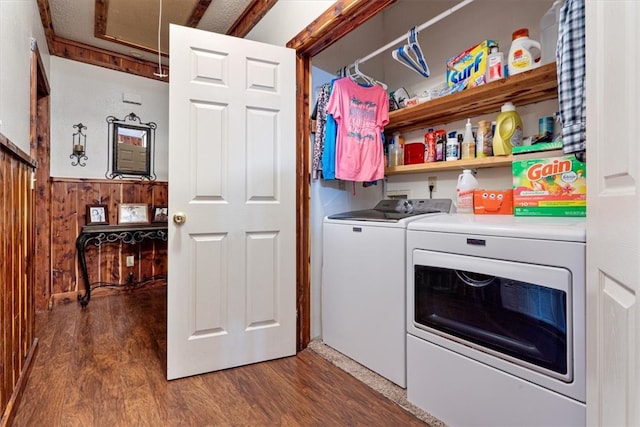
(286, 19)
(19, 24)
(88, 94)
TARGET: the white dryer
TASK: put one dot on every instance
(496, 319)
(363, 282)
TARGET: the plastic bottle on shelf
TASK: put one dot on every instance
(452, 149)
(397, 154)
(441, 143)
(430, 146)
(464, 191)
(524, 53)
(468, 143)
(549, 32)
(495, 65)
(508, 131)
(484, 139)
(396, 150)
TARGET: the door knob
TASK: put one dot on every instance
(180, 218)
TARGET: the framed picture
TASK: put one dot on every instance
(97, 214)
(133, 213)
(160, 214)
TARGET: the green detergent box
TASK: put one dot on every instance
(549, 186)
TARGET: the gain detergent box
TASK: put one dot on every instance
(552, 186)
(467, 69)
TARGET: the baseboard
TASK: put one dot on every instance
(16, 396)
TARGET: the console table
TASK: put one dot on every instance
(101, 234)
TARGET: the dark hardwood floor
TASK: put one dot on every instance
(105, 366)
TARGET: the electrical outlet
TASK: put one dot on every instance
(432, 180)
(130, 261)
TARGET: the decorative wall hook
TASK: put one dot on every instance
(79, 147)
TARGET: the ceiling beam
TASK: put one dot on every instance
(198, 13)
(100, 17)
(81, 52)
(47, 23)
(252, 14)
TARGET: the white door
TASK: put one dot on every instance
(613, 219)
(232, 173)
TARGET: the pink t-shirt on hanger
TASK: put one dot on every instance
(361, 114)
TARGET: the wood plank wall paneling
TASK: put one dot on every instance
(69, 198)
(17, 313)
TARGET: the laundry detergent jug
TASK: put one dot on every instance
(524, 53)
(508, 132)
(464, 191)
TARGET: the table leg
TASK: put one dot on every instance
(81, 243)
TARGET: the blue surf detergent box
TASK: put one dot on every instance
(467, 69)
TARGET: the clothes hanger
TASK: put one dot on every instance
(358, 75)
(410, 55)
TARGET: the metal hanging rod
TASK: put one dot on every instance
(419, 28)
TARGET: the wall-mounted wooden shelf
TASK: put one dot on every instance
(528, 87)
(532, 86)
(455, 165)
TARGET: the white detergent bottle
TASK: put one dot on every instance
(549, 32)
(464, 191)
(524, 53)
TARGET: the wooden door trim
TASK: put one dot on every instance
(40, 148)
(337, 21)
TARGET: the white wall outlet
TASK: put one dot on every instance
(130, 261)
(432, 180)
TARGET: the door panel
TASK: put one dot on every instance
(613, 241)
(231, 287)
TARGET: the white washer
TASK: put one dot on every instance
(489, 299)
(363, 283)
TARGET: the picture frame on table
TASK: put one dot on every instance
(160, 214)
(133, 213)
(97, 215)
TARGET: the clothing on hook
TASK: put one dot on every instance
(361, 114)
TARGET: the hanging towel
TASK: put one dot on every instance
(361, 114)
(570, 60)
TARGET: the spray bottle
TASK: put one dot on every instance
(468, 143)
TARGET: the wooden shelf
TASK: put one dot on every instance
(532, 86)
(536, 85)
(455, 165)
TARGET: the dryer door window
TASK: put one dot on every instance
(520, 312)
